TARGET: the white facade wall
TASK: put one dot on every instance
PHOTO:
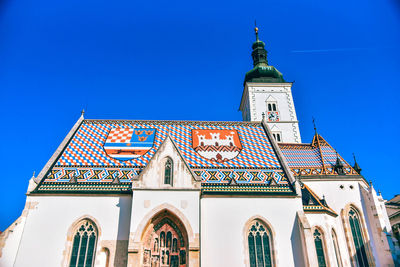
(379, 230)
(327, 223)
(357, 194)
(44, 236)
(11, 241)
(223, 229)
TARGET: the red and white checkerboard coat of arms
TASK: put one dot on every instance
(129, 143)
(216, 145)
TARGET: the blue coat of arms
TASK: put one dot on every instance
(129, 143)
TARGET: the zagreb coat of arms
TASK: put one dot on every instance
(216, 145)
(129, 143)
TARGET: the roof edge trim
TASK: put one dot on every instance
(58, 152)
(280, 156)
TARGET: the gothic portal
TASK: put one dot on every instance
(165, 242)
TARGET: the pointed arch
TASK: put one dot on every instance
(357, 236)
(259, 242)
(320, 246)
(82, 241)
(164, 240)
(171, 210)
(168, 171)
(336, 248)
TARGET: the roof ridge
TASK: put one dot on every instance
(315, 142)
(171, 121)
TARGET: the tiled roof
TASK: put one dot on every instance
(317, 158)
(252, 161)
(86, 147)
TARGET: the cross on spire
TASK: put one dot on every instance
(256, 29)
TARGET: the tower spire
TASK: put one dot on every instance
(338, 165)
(256, 30)
(259, 53)
(356, 167)
(262, 72)
(315, 127)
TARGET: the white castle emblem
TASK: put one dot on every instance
(216, 140)
(217, 145)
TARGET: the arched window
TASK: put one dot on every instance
(336, 247)
(84, 245)
(319, 248)
(259, 242)
(358, 240)
(168, 172)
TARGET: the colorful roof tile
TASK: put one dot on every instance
(106, 151)
(317, 158)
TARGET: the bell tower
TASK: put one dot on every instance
(267, 94)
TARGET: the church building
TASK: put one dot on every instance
(249, 193)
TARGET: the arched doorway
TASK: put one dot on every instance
(165, 242)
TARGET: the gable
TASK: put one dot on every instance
(317, 158)
(152, 175)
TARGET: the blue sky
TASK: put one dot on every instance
(186, 60)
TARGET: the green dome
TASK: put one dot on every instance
(262, 72)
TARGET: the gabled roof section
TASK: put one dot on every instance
(102, 152)
(152, 171)
(317, 158)
(313, 203)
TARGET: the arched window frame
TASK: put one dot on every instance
(169, 163)
(71, 235)
(271, 235)
(336, 248)
(158, 220)
(323, 243)
(349, 236)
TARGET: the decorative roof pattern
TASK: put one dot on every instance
(86, 147)
(248, 162)
(317, 158)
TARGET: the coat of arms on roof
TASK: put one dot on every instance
(216, 145)
(129, 143)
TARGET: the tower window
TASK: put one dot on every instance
(272, 106)
(168, 172)
(277, 136)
